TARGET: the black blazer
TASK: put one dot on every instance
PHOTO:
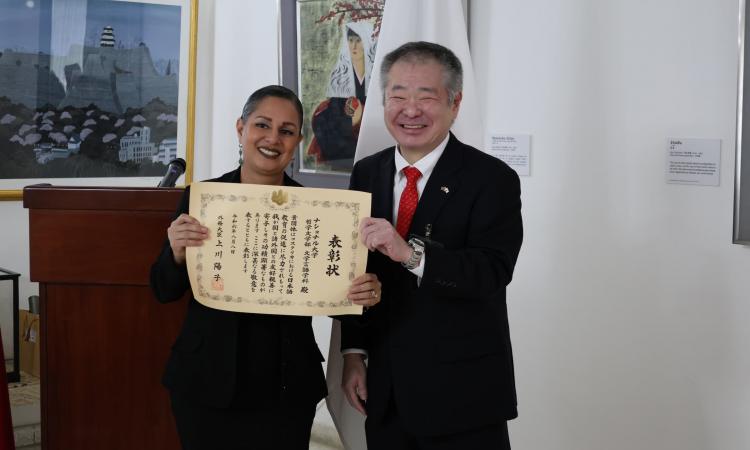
(225, 359)
(442, 348)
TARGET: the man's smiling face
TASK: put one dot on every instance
(417, 109)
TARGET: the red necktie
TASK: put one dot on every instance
(408, 203)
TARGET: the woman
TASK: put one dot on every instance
(336, 120)
(241, 381)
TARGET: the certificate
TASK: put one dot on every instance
(277, 249)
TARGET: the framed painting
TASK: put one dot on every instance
(741, 231)
(95, 92)
(335, 51)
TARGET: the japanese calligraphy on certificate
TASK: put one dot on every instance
(277, 249)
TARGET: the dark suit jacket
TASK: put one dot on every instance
(224, 359)
(442, 349)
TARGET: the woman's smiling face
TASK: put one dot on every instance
(269, 136)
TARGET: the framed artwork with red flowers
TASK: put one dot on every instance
(334, 53)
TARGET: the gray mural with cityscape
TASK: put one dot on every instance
(104, 108)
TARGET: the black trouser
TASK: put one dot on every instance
(390, 434)
(202, 428)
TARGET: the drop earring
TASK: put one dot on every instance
(241, 160)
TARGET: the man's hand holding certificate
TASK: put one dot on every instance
(277, 249)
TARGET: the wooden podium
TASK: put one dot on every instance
(104, 337)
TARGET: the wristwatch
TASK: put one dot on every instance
(417, 246)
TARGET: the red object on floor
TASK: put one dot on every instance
(6, 423)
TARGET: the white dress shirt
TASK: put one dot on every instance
(425, 167)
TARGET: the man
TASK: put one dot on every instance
(440, 368)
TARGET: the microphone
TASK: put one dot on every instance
(175, 168)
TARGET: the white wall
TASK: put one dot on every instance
(629, 305)
(246, 57)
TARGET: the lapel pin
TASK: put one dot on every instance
(445, 189)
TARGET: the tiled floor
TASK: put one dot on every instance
(25, 392)
(25, 409)
(324, 435)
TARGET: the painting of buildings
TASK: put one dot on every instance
(88, 88)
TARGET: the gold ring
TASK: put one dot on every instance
(374, 294)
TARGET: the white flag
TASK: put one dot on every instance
(441, 22)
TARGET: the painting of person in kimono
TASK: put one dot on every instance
(336, 120)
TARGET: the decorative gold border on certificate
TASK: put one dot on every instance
(353, 207)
